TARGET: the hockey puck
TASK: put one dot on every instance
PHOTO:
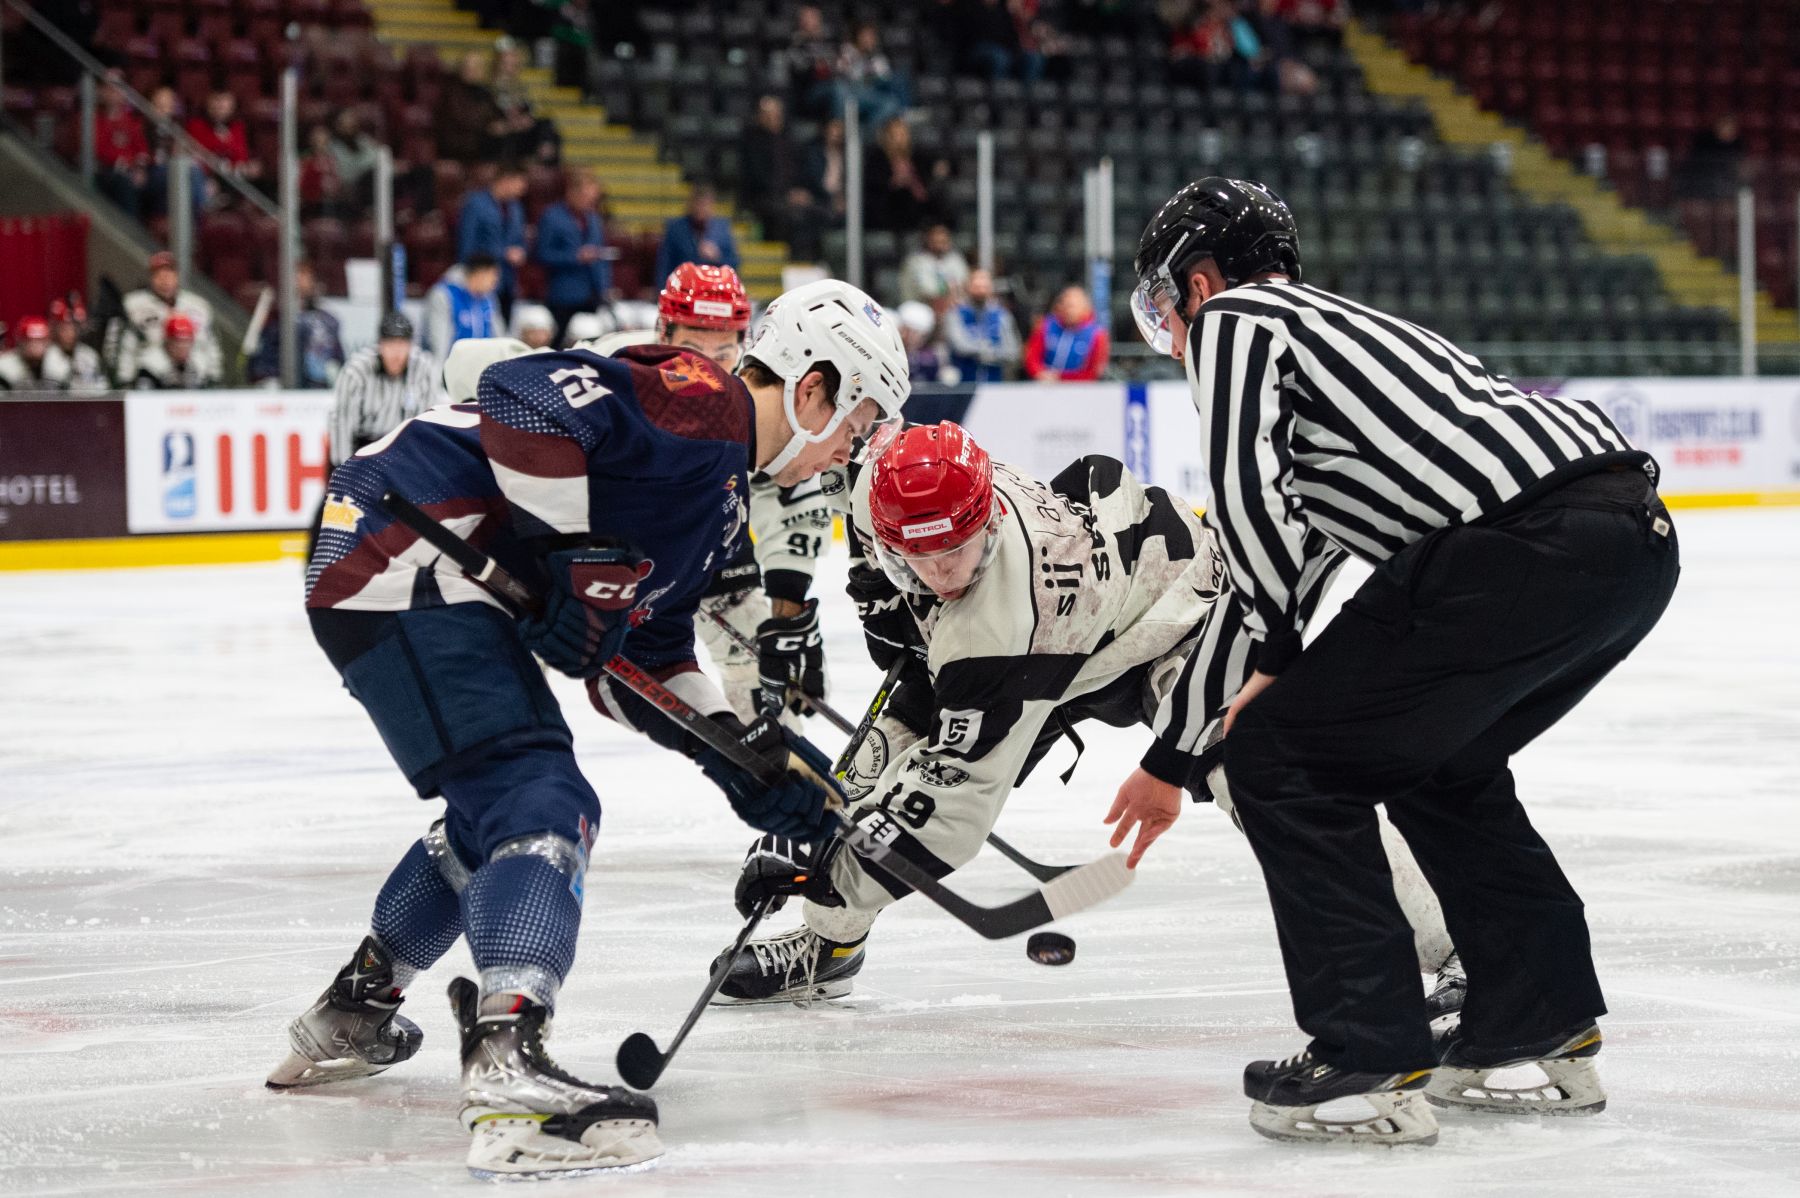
(1050, 948)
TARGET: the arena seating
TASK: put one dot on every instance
(1640, 82)
(1387, 212)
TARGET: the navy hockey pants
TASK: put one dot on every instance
(466, 713)
(1455, 654)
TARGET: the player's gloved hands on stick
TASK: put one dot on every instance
(775, 867)
(888, 627)
(583, 624)
(791, 659)
(791, 805)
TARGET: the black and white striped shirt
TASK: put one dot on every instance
(1319, 414)
(370, 403)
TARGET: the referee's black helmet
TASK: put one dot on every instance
(1245, 228)
(395, 326)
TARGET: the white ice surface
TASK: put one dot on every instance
(194, 818)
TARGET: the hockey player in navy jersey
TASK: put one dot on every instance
(614, 486)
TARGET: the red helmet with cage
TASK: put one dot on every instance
(704, 297)
(933, 490)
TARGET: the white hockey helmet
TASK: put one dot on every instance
(831, 321)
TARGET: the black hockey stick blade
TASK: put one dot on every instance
(639, 1060)
(1037, 869)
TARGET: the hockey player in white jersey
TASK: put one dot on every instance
(1094, 597)
(705, 309)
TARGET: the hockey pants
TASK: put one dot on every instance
(1455, 654)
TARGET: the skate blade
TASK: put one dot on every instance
(1559, 1087)
(800, 998)
(298, 1072)
(1388, 1120)
(511, 1147)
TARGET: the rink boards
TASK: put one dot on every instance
(176, 478)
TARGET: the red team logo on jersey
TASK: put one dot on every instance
(684, 374)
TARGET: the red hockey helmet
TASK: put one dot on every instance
(931, 496)
(704, 297)
(179, 326)
(34, 328)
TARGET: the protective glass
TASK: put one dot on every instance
(1152, 304)
(954, 569)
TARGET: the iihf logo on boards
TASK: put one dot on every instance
(180, 499)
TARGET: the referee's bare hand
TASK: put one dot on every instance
(1257, 683)
(1147, 803)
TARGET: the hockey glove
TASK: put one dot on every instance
(888, 626)
(792, 805)
(583, 624)
(791, 659)
(777, 866)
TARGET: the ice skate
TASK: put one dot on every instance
(1555, 1076)
(1448, 992)
(1306, 1100)
(528, 1117)
(354, 1030)
(796, 966)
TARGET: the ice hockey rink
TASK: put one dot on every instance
(194, 819)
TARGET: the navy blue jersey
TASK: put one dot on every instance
(651, 447)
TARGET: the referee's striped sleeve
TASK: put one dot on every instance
(347, 408)
(1235, 361)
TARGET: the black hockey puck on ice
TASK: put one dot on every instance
(1050, 948)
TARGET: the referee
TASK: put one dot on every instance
(380, 388)
(1520, 553)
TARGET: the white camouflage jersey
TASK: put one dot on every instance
(1104, 600)
(140, 329)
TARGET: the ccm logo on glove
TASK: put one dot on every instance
(610, 586)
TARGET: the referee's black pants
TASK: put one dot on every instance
(1455, 654)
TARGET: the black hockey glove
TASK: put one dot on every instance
(790, 659)
(777, 866)
(583, 624)
(792, 805)
(888, 626)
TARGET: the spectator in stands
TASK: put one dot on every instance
(982, 335)
(27, 365)
(698, 236)
(175, 363)
(221, 132)
(461, 304)
(1318, 24)
(534, 325)
(1200, 47)
(469, 120)
(863, 71)
(526, 135)
(988, 36)
(1070, 344)
(824, 174)
(925, 360)
(162, 150)
(1292, 76)
(144, 316)
(771, 181)
(316, 333)
(354, 152)
(811, 64)
(121, 151)
(492, 222)
(73, 360)
(321, 187)
(571, 245)
(1714, 166)
(897, 194)
(936, 272)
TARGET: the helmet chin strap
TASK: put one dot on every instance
(801, 438)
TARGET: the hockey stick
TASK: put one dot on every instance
(1037, 869)
(1074, 891)
(639, 1060)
